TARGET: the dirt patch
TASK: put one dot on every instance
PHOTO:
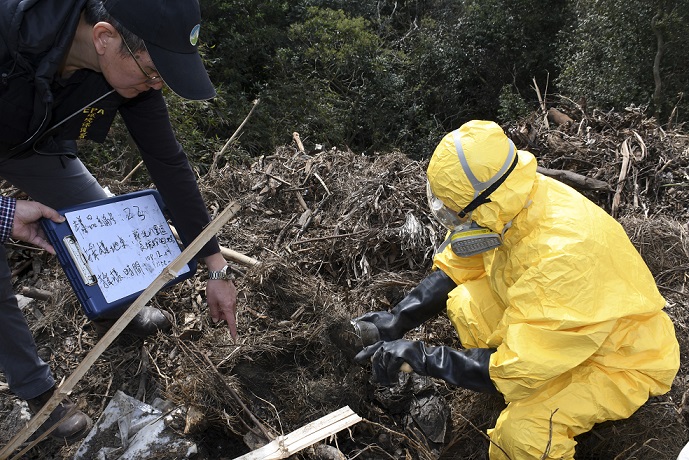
(339, 234)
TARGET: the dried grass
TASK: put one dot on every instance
(339, 234)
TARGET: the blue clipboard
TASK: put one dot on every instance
(112, 249)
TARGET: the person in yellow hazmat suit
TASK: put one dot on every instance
(554, 307)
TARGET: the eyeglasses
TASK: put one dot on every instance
(150, 79)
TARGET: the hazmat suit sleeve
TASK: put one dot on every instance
(460, 269)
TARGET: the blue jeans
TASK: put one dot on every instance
(55, 181)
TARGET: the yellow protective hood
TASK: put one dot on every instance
(486, 148)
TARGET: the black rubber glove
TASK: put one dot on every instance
(462, 368)
(424, 302)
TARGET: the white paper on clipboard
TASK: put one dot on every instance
(126, 244)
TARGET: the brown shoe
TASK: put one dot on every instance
(73, 428)
(147, 322)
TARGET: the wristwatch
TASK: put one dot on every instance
(223, 274)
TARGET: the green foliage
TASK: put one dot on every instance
(512, 106)
(335, 78)
(607, 54)
(496, 43)
(373, 76)
(614, 68)
(239, 39)
(399, 74)
(193, 123)
(674, 69)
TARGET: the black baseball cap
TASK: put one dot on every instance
(170, 30)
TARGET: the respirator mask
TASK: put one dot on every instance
(467, 238)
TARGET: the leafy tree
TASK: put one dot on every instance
(399, 74)
(604, 57)
(337, 79)
(512, 106)
(239, 39)
(671, 62)
(608, 53)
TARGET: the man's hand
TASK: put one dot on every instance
(222, 303)
(26, 226)
(221, 295)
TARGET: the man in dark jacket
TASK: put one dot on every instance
(67, 67)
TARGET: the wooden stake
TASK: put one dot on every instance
(168, 274)
(316, 431)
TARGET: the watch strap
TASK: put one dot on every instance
(224, 273)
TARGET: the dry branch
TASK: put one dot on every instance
(575, 179)
(624, 170)
(217, 156)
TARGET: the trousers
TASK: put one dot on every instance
(58, 182)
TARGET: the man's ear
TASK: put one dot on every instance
(103, 35)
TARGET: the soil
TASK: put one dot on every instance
(338, 234)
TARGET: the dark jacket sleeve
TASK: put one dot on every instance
(147, 119)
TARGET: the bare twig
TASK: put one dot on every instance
(217, 156)
(546, 452)
(131, 173)
(141, 392)
(329, 237)
(484, 435)
(264, 430)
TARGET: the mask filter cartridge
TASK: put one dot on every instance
(473, 239)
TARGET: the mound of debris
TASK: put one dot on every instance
(336, 234)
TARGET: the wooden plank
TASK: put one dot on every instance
(299, 439)
(168, 274)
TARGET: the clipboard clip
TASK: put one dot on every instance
(80, 263)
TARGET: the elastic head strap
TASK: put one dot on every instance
(482, 190)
